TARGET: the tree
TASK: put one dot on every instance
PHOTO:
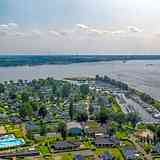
(1, 88)
(147, 148)
(26, 110)
(24, 96)
(43, 129)
(42, 112)
(158, 132)
(133, 118)
(103, 115)
(29, 109)
(82, 117)
(120, 118)
(23, 112)
(71, 111)
(54, 88)
(62, 128)
(65, 91)
(30, 134)
(84, 89)
(91, 109)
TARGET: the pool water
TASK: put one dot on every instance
(7, 141)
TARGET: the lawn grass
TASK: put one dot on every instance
(15, 129)
(121, 134)
(115, 106)
(43, 150)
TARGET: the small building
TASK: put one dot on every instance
(15, 119)
(84, 153)
(19, 154)
(103, 142)
(144, 133)
(31, 126)
(64, 145)
(79, 157)
(106, 141)
(106, 156)
(74, 128)
(94, 129)
(156, 149)
(130, 153)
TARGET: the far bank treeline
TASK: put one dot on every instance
(30, 60)
(123, 86)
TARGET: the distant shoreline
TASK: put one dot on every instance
(35, 60)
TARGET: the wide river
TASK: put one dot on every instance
(144, 75)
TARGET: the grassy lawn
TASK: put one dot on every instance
(156, 104)
(116, 153)
(43, 150)
(115, 106)
(121, 134)
(16, 129)
(64, 156)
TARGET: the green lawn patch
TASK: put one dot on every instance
(121, 134)
(16, 129)
(43, 150)
(115, 106)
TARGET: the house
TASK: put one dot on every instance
(15, 119)
(145, 135)
(19, 154)
(115, 140)
(94, 129)
(79, 157)
(106, 141)
(31, 126)
(156, 149)
(103, 142)
(130, 153)
(64, 145)
(74, 128)
(106, 156)
(84, 153)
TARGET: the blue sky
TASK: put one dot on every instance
(79, 25)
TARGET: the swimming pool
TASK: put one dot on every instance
(10, 140)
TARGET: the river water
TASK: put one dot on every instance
(144, 75)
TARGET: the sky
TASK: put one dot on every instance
(88, 26)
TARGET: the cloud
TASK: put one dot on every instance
(8, 29)
(9, 26)
(13, 25)
(36, 33)
(54, 33)
(118, 32)
(91, 30)
(83, 31)
(3, 33)
(134, 29)
(4, 27)
(82, 26)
